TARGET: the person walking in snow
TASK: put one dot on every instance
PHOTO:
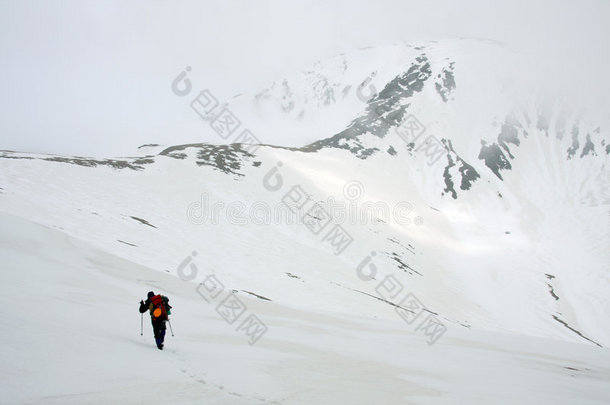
(159, 308)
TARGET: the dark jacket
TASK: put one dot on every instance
(149, 306)
(157, 324)
(146, 306)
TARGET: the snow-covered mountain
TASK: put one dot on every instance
(430, 174)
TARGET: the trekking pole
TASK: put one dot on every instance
(141, 324)
(170, 327)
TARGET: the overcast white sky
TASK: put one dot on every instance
(93, 77)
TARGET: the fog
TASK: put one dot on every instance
(93, 78)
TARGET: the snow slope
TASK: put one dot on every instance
(71, 336)
(501, 234)
(458, 259)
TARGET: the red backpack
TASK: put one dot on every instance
(161, 307)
